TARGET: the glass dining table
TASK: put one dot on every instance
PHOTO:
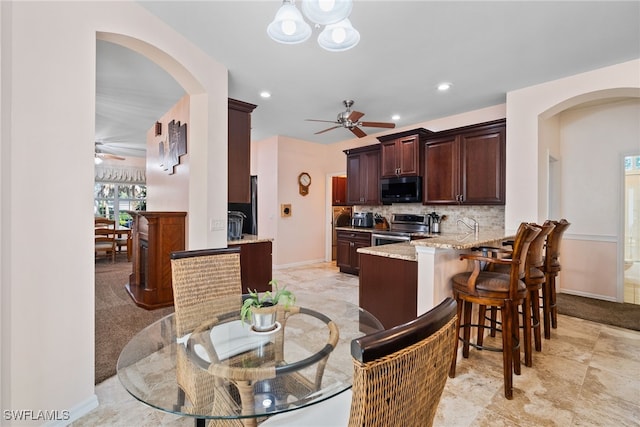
(304, 360)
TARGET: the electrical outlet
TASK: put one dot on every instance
(285, 210)
(216, 224)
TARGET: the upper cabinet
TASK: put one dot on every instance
(466, 165)
(400, 153)
(363, 175)
(239, 146)
(338, 190)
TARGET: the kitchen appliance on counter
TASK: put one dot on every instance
(250, 210)
(403, 228)
(235, 220)
(362, 219)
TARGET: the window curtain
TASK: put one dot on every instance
(120, 174)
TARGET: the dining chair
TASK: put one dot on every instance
(206, 283)
(102, 222)
(551, 268)
(105, 241)
(398, 379)
(506, 292)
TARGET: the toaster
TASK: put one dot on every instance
(362, 219)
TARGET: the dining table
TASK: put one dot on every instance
(304, 360)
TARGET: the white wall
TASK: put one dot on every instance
(586, 144)
(48, 57)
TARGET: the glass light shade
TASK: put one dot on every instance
(339, 37)
(288, 27)
(325, 12)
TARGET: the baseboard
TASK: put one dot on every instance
(587, 295)
(299, 264)
(76, 412)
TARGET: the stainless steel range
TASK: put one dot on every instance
(403, 228)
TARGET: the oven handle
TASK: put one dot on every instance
(375, 236)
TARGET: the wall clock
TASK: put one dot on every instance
(304, 181)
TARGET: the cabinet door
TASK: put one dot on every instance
(389, 161)
(482, 156)
(339, 190)
(353, 179)
(370, 178)
(239, 151)
(343, 256)
(399, 157)
(407, 150)
(441, 173)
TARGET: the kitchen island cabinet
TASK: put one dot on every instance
(436, 260)
(255, 262)
(388, 288)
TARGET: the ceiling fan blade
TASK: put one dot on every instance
(323, 121)
(326, 130)
(355, 116)
(378, 124)
(358, 132)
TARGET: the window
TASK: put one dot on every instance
(112, 200)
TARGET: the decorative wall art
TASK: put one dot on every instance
(173, 146)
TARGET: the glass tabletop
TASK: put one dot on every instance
(307, 359)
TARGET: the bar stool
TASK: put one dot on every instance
(551, 268)
(506, 292)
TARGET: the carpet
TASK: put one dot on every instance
(117, 317)
(623, 315)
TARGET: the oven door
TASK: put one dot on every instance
(378, 239)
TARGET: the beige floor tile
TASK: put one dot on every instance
(588, 374)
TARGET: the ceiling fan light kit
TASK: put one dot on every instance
(289, 27)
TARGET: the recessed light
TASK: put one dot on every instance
(444, 86)
(265, 94)
(395, 117)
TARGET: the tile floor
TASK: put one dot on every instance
(588, 374)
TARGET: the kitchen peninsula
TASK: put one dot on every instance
(401, 281)
(255, 262)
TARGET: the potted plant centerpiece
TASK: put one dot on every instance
(260, 310)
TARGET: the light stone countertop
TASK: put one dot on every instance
(249, 238)
(457, 241)
(461, 241)
(403, 250)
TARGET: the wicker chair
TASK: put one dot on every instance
(507, 292)
(399, 376)
(206, 283)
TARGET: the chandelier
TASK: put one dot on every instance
(289, 27)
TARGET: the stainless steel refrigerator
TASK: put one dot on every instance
(250, 224)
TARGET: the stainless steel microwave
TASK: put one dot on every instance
(403, 189)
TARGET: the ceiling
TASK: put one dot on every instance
(485, 49)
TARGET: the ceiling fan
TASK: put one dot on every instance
(100, 155)
(351, 120)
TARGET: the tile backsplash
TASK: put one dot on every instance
(489, 217)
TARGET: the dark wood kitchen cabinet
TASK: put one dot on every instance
(400, 153)
(388, 289)
(348, 242)
(255, 265)
(466, 165)
(363, 175)
(338, 190)
(239, 151)
(155, 235)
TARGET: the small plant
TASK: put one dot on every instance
(268, 298)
